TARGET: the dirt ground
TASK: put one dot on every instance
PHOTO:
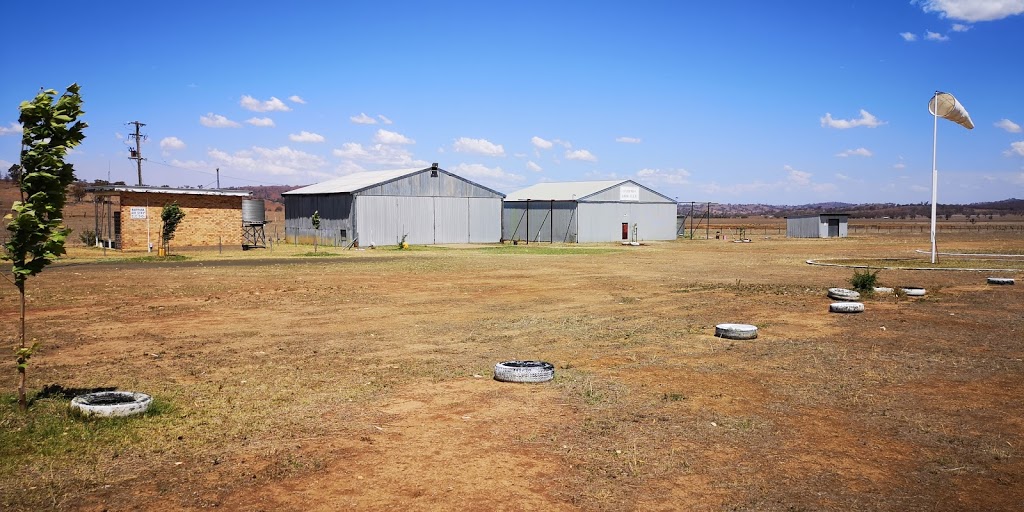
(364, 381)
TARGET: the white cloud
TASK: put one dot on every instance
(797, 177)
(362, 118)
(974, 10)
(273, 104)
(212, 120)
(541, 143)
(478, 146)
(279, 161)
(261, 121)
(628, 140)
(386, 137)
(378, 155)
(297, 99)
(908, 36)
(534, 167)
(855, 152)
(171, 143)
(866, 119)
(900, 165)
(580, 154)
(1016, 148)
(384, 119)
(305, 136)
(483, 173)
(842, 176)
(1008, 125)
(14, 129)
(670, 176)
(957, 27)
(935, 36)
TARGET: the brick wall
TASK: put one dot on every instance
(209, 220)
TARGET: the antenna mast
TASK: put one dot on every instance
(137, 152)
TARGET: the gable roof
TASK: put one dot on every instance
(577, 191)
(562, 191)
(354, 182)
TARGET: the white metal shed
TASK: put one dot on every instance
(425, 206)
(588, 211)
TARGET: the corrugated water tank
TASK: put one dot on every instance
(253, 211)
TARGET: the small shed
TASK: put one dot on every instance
(423, 206)
(822, 225)
(588, 211)
(128, 216)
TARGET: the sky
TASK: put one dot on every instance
(730, 101)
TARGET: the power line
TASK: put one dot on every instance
(211, 173)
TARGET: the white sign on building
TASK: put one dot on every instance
(629, 193)
(138, 212)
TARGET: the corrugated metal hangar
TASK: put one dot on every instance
(426, 206)
(588, 211)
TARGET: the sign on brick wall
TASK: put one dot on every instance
(138, 212)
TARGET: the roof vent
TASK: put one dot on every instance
(433, 166)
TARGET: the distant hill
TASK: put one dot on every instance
(867, 210)
(275, 203)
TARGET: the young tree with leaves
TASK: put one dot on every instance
(171, 216)
(36, 224)
(315, 219)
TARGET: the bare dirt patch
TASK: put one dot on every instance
(363, 382)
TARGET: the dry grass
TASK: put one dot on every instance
(349, 382)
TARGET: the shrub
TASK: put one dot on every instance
(864, 281)
(88, 237)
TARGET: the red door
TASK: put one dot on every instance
(625, 231)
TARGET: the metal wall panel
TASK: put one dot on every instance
(547, 221)
(602, 222)
(484, 220)
(335, 212)
(383, 220)
(422, 184)
(805, 227)
(451, 220)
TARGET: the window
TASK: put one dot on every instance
(344, 234)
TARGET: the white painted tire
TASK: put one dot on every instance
(524, 371)
(883, 289)
(736, 331)
(913, 291)
(846, 307)
(110, 404)
(843, 294)
(1000, 280)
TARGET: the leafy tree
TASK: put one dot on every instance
(14, 173)
(77, 191)
(36, 224)
(171, 216)
(315, 219)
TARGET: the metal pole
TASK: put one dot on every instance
(935, 172)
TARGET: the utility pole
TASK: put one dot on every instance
(137, 152)
(218, 178)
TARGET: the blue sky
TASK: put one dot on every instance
(731, 101)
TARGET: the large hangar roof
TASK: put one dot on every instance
(354, 182)
(574, 191)
(362, 182)
(562, 191)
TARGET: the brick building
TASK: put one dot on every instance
(129, 216)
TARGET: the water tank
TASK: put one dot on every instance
(253, 211)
